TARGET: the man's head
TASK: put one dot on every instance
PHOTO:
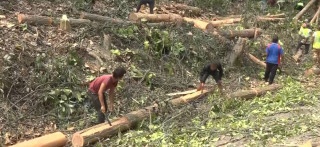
(275, 39)
(118, 73)
(214, 64)
(304, 25)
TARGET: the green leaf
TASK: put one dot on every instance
(116, 52)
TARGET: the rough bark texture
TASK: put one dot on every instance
(189, 9)
(248, 94)
(93, 134)
(246, 33)
(214, 24)
(256, 60)
(57, 139)
(34, 19)
(237, 50)
(312, 71)
(100, 18)
(297, 56)
(304, 10)
(315, 16)
(136, 17)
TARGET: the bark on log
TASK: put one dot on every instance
(218, 23)
(104, 19)
(237, 50)
(136, 17)
(256, 60)
(57, 139)
(197, 23)
(185, 99)
(312, 71)
(297, 56)
(263, 19)
(93, 134)
(246, 33)
(315, 16)
(189, 9)
(282, 15)
(247, 94)
(35, 19)
(304, 10)
(182, 93)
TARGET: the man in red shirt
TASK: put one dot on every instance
(101, 85)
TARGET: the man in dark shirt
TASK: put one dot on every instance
(144, 2)
(215, 70)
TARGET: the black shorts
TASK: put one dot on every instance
(216, 76)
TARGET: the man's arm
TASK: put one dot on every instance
(101, 97)
(110, 101)
(267, 52)
(219, 67)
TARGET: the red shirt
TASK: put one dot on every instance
(107, 80)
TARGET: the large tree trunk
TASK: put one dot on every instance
(45, 20)
(315, 16)
(185, 99)
(312, 71)
(247, 94)
(246, 33)
(104, 19)
(297, 56)
(256, 60)
(237, 50)
(93, 134)
(304, 10)
(189, 9)
(214, 24)
(136, 17)
(35, 19)
(57, 139)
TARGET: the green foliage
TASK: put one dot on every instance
(127, 32)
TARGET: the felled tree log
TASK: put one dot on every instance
(136, 17)
(237, 50)
(182, 93)
(213, 24)
(185, 99)
(247, 94)
(297, 55)
(304, 10)
(312, 71)
(246, 33)
(57, 139)
(35, 19)
(189, 9)
(282, 15)
(93, 134)
(45, 20)
(256, 60)
(269, 19)
(315, 16)
(100, 18)
(197, 23)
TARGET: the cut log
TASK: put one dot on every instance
(104, 130)
(218, 23)
(256, 60)
(315, 16)
(104, 19)
(35, 19)
(248, 94)
(282, 15)
(182, 93)
(189, 9)
(136, 17)
(79, 22)
(237, 50)
(57, 139)
(197, 23)
(312, 71)
(297, 56)
(304, 10)
(65, 23)
(263, 19)
(246, 33)
(185, 99)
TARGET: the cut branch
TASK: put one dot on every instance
(57, 139)
(297, 56)
(104, 19)
(136, 17)
(185, 99)
(256, 60)
(315, 16)
(248, 94)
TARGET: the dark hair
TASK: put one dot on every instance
(275, 39)
(119, 72)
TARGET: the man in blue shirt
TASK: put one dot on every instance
(274, 53)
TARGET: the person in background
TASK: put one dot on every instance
(144, 2)
(99, 86)
(315, 41)
(274, 53)
(299, 6)
(304, 37)
(215, 70)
